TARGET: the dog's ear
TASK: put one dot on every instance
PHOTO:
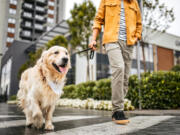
(41, 59)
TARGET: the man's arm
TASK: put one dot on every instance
(98, 21)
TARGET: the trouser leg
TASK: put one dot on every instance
(117, 66)
(127, 57)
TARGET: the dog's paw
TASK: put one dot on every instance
(29, 125)
(49, 127)
(38, 121)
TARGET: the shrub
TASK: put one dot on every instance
(159, 90)
(13, 97)
(102, 90)
(176, 68)
(99, 90)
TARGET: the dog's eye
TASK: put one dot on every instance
(56, 52)
(66, 53)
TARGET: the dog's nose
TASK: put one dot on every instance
(65, 60)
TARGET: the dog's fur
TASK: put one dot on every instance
(35, 95)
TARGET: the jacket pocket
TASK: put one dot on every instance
(111, 8)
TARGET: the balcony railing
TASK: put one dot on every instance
(27, 15)
(41, 2)
(26, 5)
(40, 18)
(39, 27)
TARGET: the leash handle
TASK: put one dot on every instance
(92, 52)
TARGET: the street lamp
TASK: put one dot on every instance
(138, 58)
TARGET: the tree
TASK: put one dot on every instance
(156, 18)
(80, 26)
(34, 56)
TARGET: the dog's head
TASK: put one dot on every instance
(56, 59)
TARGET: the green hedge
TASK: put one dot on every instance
(160, 90)
(99, 90)
(176, 68)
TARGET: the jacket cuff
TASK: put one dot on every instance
(97, 26)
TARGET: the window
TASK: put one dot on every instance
(11, 30)
(38, 26)
(39, 17)
(50, 11)
(27, 33)
(28, 5)
(6, 77)
(49, 20)
(26, 14)
(14, 2)
(10, 40)
(50, 3)
(41, 1)
(28, 24)
(40, 9)
(12, 11)
(11, 20)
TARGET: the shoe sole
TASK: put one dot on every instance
(121, 122)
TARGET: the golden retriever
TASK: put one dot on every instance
(41, 86)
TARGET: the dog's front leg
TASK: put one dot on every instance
(37, 115)
(48, 118)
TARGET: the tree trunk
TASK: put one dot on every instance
(144, 59)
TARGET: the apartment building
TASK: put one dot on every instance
(28, 19)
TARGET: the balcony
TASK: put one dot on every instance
(40, 10)
(41, 2)
(39, 27)
(27, 15)
(26, 35)
(27, 7)
(26, 25)
(40, 18)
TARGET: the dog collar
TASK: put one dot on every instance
(57, 88)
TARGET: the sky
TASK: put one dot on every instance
(174, 28)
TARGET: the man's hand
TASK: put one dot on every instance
(92, 45)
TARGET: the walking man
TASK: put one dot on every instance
(121, 20)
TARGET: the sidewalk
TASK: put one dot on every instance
(153, 112)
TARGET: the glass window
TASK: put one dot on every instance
(28, 24)
(26, 14)
(38, 26)
(50, 3)
(14, 2)
(49, 20)
(11, 30)
(10, 40)
(11, 20)
(12, 11)
(39, 17)
(40, 9)
(27, 33)
(28, 5)
(6, 77)
(50, 11)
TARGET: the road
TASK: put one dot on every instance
(72, 121)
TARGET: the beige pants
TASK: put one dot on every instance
(120, 57)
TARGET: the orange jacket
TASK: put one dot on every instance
(109, 15)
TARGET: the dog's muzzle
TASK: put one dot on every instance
(63, 66)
